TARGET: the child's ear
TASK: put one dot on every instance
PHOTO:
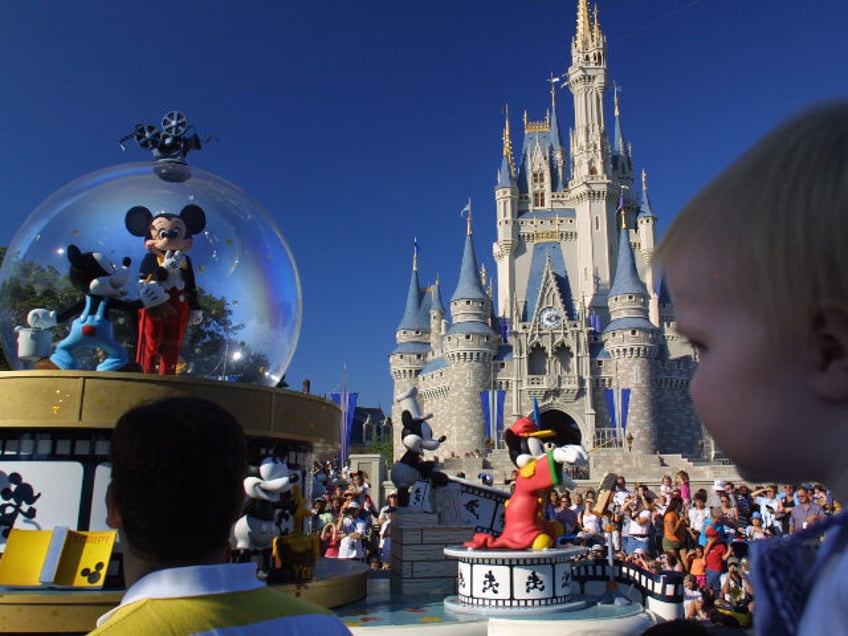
(830, 340)
(113, 515)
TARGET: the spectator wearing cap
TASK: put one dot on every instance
(766, 500)
(353, 528)
(755, 531)
(719, 489)
(736, 593)
(716, 550)
(391, 502)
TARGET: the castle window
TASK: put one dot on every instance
(597, 223)
(537, 362)
(632, 332)
(538, 199)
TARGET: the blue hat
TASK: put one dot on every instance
(756, 515)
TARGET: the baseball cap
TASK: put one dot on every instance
(719, 484)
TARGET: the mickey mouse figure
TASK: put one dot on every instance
(102, 282)
(539, 466)
(255, 529)
(417, 436)
(167, 238)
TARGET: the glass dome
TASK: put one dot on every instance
(247, 281)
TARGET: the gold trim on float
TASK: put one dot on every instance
(91, 399)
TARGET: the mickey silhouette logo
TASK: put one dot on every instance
(93, 576)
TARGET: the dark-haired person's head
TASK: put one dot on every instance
(177, 471)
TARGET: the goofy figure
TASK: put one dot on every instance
(539, 467)
(167, 238)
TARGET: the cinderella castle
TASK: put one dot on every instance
(578, 327)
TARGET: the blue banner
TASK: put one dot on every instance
(625, 405)
(492, 403)
(609, 395)
(348, 403)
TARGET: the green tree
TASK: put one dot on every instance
(208, 346)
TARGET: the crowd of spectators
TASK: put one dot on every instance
(347, 519)
(704, 535)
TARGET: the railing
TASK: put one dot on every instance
(607, 438)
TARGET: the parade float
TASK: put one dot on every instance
(136, 282)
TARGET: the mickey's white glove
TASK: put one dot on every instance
(151, 294)
(195, 317)
(571, 454)
(173, 260)
(41, 318)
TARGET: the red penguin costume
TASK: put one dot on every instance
(162, 328)
(524, 526)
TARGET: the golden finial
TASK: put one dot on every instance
(597, 25)
(483, 274)
(583, 27)
(615, 98)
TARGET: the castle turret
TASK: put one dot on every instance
(646, 227)
(438, 324)
(631, 340)
(506, 202)
(469, 348)
(587, 79)
(412, 334)
(622, 163)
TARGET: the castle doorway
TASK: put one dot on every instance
(564, 425)
(567, 432)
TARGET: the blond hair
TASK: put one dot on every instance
(777, 218)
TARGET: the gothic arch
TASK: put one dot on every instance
(565, 426)
(537, 360)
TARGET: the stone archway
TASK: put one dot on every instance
(565, 426)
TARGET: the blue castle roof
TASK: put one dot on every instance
(541, 253)
(626, 279)
(469, 286)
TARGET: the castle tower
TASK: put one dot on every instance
(622, 162)
(469, 348)
(631, 341)
(413, 340)
(646, 227)
(438, 324)
(593, 188)
(506, 203)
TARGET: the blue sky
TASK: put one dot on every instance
(361, 125)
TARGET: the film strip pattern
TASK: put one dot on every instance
(511, 582)
(667, 587)
(482, 507)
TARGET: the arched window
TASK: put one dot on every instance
(537, 361)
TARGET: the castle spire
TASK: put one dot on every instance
(469, 286)
(506, 174)
(412, 319)
(645, 208)
(626, 281)
(584, 30)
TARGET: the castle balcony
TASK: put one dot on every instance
(564, 387)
